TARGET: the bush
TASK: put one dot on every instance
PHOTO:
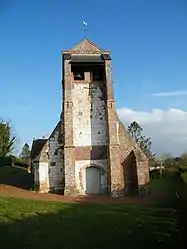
(6, 161)
(19, 162)
(155, 174)
(184, 177)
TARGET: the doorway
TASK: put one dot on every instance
(93, 181)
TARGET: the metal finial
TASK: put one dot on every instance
(85, 28)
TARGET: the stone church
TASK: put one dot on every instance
(89, 152)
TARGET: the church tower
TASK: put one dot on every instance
(93, 152)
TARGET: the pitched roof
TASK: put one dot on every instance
(86, 47)
(37, 146)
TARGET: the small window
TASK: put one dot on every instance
(56, 152)
(53, 163)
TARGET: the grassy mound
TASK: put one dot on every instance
(15, 176)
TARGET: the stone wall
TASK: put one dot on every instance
(89, 118)
(48, 166)
(90, 131)
(55, 161)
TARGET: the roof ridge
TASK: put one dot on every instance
(94, 44)
(86, 42)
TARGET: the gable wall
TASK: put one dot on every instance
(55, 162)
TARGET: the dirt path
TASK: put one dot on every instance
(10, 191)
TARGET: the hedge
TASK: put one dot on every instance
(6, 161)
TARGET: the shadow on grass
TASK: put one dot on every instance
(16, 176)
(31, 224)
(174, 184)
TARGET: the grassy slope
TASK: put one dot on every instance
(15, 176)
(31, 224)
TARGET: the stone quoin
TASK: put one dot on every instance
(89, 152)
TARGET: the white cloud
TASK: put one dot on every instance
(170, 94)
(167, 128)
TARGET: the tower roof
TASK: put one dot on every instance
(86, 47)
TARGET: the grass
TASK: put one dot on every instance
(31, 224)
(184, 177)
(27, 224)
(167, 186)
(169, 183)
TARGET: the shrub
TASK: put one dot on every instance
(155, 174)
(5, 161)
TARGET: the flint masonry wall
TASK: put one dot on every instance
(55, 162)
(89, 120)
(89, 130)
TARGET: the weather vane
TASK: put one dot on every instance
(85, 28)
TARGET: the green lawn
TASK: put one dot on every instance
(30, 224)
(184, 177)
(166, 186)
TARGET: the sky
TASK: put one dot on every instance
(148, 42)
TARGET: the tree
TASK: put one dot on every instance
(25, 153)
(135, 130)
(7, 139)
(184, 159)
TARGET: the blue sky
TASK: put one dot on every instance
(148, 44)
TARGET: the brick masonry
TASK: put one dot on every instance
(86, 124)
(90, 135)
(91, 152)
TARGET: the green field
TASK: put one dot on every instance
(32, 224)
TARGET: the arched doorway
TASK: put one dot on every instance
(93, 181)
(130, 174)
